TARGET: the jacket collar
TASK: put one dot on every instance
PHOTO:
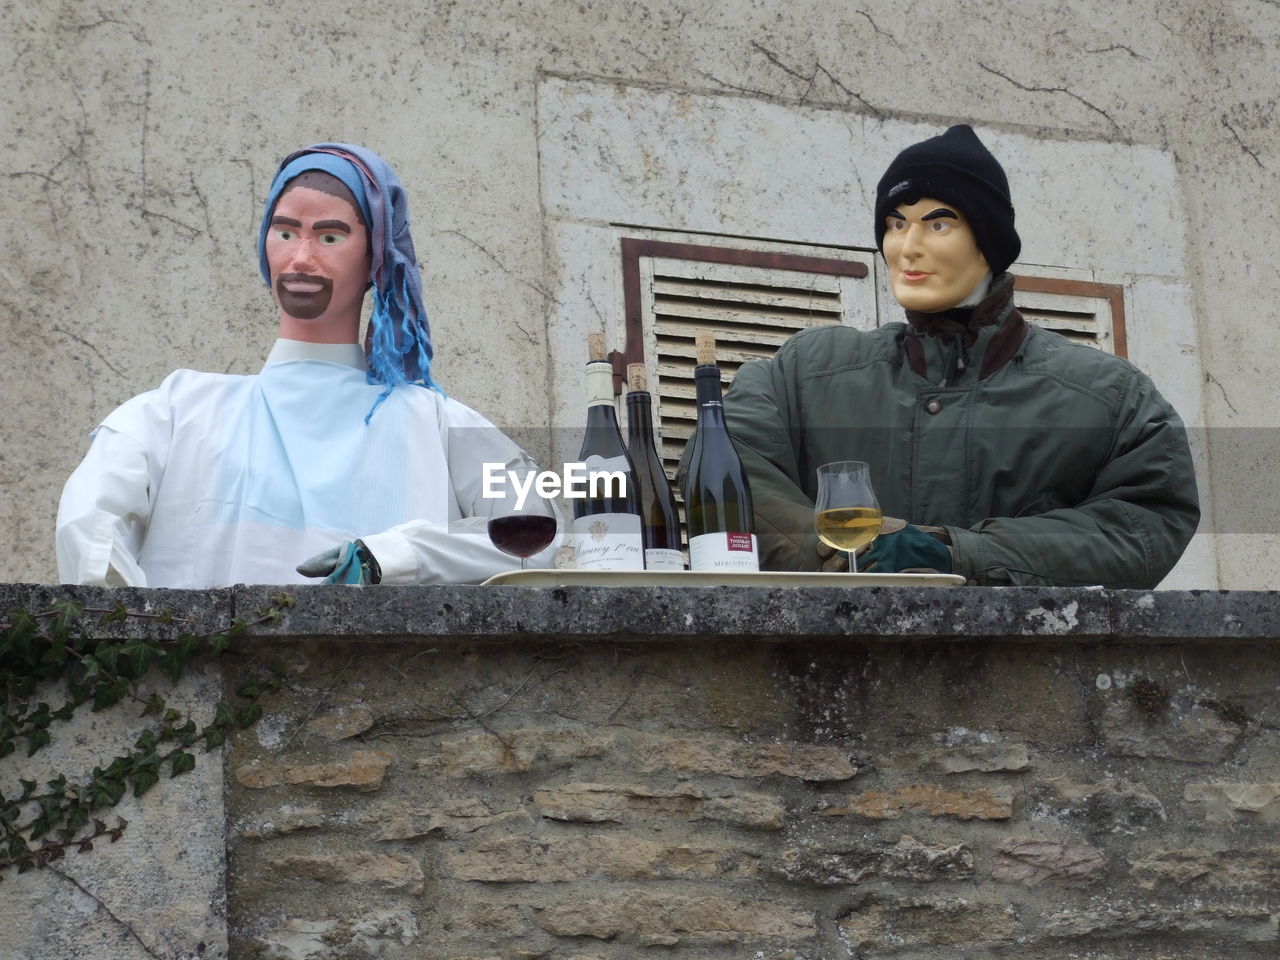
(967, 325)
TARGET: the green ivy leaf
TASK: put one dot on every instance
(155, 704)
(214, 737)
(250, 689)
(28, 788)
(181, 763)
(222, 715)
(117, 614)
(142, 782)
(109, 694)
(247, 715)
(218, 643)
(36, 739)
(140, 654)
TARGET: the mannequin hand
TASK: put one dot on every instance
(902, 546)
(350, 563)
(833, 560)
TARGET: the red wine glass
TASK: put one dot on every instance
(525, 530)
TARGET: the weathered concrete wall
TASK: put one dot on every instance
(138, 140)
(597, 774)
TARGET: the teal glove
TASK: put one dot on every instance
(351, 563)
(908, 549)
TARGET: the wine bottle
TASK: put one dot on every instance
(606, 522)
(659, 519)
(717, 496)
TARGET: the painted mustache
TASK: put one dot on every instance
(303, 296)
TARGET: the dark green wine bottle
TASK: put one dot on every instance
(717, 495)
(659, 518)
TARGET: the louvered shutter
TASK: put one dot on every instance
(751, 311)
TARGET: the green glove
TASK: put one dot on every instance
(908, 548)
(351, 563)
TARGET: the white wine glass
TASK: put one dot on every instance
(847, 514)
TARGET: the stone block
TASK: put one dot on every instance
(677, 918)
(1253, 870)
(1234, 802)
(340, 723)
(1108, 804)
(994, 803)
(733, 758)
(1246, 923)
(1031, 861)
(285, 821)
(1187, 733)
(629, 803)
(363, 770)
(391, 871)
(883, 927)
(515, 751)
(908, 859)
(410, 821)
(528, 860)
(963, 758)
(330, 938)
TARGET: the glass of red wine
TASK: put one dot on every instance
(525, 529)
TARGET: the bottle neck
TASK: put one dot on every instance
(599, 383)
(707, 384)
(640, 416)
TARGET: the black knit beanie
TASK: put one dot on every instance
(958, 170)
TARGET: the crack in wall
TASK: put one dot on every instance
(1120, 46)
(106, 909)
(812, 77)
(1243, 146)
(1074, 96)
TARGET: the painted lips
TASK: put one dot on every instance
(915, 276)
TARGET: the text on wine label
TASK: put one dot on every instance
(575, 482)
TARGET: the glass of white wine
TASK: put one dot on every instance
(847, 513)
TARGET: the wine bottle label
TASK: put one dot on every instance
(724, 553)
(655, 559)
(608, 541)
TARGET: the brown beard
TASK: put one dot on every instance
(304, 306)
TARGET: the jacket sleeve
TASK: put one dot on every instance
(459, 551)
(102, 516)
(1128, 532)
(760, 410)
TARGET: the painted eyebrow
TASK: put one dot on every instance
(895, 214)
(331, 225)
(939, 214)
(285, 222)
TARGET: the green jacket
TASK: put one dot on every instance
(1046, 462)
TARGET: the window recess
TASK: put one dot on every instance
(751, 299)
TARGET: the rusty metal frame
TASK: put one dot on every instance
(1113, 293)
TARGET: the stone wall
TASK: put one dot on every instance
(590, 774)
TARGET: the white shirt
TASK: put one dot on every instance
(214, 479)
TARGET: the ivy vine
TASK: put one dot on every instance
(56, 649)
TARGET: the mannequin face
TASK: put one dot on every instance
(317, 250)
(934, 261)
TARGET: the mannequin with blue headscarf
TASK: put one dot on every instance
(349, 456)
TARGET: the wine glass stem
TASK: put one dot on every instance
(853, 562)
(524, 563)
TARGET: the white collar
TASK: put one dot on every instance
(347, 354)
(979, 293)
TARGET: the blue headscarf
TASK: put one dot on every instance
(398, 345)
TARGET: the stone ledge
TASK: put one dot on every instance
(776, 614)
